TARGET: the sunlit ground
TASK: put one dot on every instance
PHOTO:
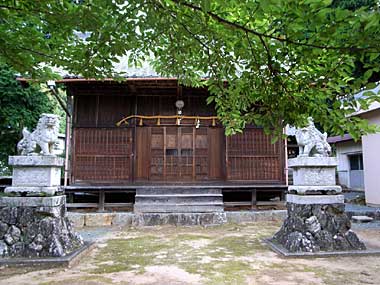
(229, 254)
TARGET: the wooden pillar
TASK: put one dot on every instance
(193, 158)
(101, 201)
(67, 149)
(70, 198)
(253, 199)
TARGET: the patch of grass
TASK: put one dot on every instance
(236, 246)
(85, 280)
(189, 237)
(127, 254)
(219, 272)
(337, 277)
(3, 194)
(225, 265)
(232, 272)
(220, 259)
(328, 276)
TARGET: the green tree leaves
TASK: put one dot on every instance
(267, 62)
(20, 107)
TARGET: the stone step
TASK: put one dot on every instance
(179, 195)
(177, 190)
(210, 203)
(361, 219)
(178, 208)
(177, 199)
(179, 219)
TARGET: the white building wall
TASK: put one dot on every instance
(371, 161)
(343, 150)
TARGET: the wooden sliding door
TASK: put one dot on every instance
(179, 154)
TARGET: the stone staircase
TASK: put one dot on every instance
(178, 199)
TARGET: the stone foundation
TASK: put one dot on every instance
(317, 227)
(179, 219)
(31, 228)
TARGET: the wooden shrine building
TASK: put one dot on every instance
(150, 132)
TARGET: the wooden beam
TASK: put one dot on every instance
(270, 203)
(115, 205)
(82, 205)
(95, 205)
(233, 204)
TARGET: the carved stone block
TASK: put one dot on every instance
(35, 175)
(306, 189)
(314, 174)
(315, 199)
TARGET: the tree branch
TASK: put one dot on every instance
(22, 9)
(256, 33)
(251, 49)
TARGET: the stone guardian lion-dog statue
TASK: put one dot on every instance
(311, 141)
(42, 140)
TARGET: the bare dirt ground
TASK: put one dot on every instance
(229, 254)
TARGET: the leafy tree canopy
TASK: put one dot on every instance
(20, 107)
(355, 4)
(268, 62)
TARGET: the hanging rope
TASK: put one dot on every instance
(177, 118)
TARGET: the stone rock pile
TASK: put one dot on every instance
(35, 231)
(318, 227)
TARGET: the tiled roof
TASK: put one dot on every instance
(372, 106)
(337, 139)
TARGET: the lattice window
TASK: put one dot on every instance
(102, 154)
(252, 156)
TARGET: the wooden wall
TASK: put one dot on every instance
(104, 153)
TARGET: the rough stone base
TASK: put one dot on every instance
(49, 262)
(179, 219)
(36, 227)
(278, 248)
(317, 227)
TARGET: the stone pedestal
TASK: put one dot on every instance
(33, 221)
(316, 219)
(35, 175)
(314, 175)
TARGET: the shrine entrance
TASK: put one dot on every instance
(179, 154)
